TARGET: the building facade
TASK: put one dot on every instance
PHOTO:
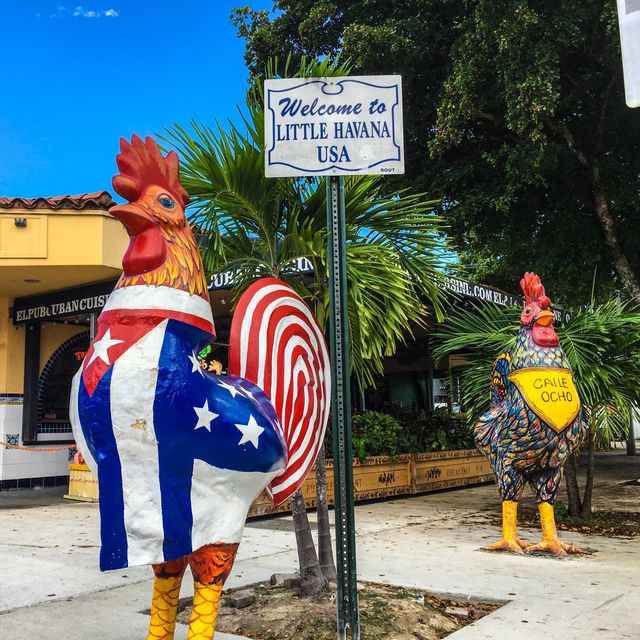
(59, 260)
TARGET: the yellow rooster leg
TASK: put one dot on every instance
(204, 612)
(164, 603)
(550, 542)
(509, 540)
(210, 565)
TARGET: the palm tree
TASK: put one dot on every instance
(601, 342)
(259, 226)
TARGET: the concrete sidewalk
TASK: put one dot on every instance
(50, 585)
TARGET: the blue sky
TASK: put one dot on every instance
(77, 76)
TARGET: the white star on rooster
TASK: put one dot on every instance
(204, 416)
(195, 365)
(230, 388)
(102, 346)
(250, 432)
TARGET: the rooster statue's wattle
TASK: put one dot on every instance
(180, 454)
(534, 423)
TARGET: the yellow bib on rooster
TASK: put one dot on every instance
(550, 393)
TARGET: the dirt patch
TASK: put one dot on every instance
(386, 613)
(615, 524)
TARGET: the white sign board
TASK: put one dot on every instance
(333, 126)
(629, 18)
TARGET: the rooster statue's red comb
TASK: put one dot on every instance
(142, 164)
(533, 290)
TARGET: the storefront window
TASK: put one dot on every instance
(54, 388)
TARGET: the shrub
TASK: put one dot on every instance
(377, 434)
(434, 431)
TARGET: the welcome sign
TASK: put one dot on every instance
(333, 126)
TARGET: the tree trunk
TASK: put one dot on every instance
(325, 551)
(631, 438)
(591, 465)
(620, 261)
(573, 490)
(312, 580)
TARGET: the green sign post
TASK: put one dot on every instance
(334, 127)
(347, 600)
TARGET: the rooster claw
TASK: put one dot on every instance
(514, 545)
(555, 547)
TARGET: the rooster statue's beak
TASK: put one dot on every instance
(545, 318)
(133, 217)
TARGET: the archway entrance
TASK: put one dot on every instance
(54, 388)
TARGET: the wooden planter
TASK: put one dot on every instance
(384, 476)
(83, 485)
(447, 469)
(376, 477)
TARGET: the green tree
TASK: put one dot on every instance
(259, 226)
(514, 116)
(602, 344)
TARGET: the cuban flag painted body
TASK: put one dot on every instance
(179, 454)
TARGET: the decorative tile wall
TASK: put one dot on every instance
(25, 469)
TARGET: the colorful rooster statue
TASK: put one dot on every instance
(181, 454)
(534, 423)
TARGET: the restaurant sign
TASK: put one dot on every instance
(70, 302)
(491, 294)
(481, 292)
(227, 279)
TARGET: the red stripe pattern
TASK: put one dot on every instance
(276, 343)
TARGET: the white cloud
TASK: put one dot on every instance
(80, 12)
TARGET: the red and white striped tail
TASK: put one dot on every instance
(276, 343)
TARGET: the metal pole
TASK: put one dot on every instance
(347, 598)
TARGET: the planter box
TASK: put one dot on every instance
(83, 485)
(407, 474)
(376, 477)
(447, 469)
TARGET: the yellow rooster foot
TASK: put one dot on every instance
(555, 547)
(550, 542)
(515, 545)
(510, 540)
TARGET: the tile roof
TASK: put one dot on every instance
(97, 200)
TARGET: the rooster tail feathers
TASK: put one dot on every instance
(276, 343)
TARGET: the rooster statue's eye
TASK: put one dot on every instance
(166, 201)
(528, 311)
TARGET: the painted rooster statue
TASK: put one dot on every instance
(181, 454)
(534, 422)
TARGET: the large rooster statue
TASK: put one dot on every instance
(180, 454)
(534, 423)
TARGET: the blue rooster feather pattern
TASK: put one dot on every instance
(520, 446)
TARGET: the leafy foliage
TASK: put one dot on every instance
(601, 343)
(514, 116)
(390, 434)
(426, 431)
(376, 434)
(259, 226)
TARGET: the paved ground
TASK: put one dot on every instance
(50, 585)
